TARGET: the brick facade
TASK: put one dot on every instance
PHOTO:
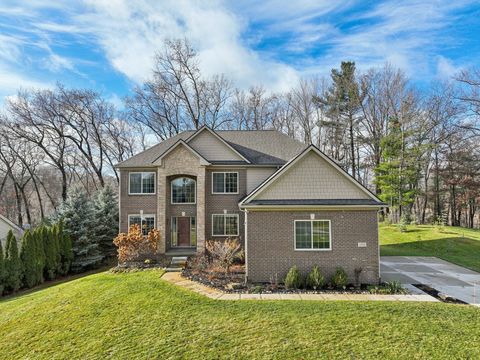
(133, 204)
(217, 203)
(270, 244)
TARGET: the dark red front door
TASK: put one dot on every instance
(183, 224)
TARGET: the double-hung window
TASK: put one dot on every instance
(225, 225)
(141, 183)
(146, 222)
(225, 182)
(313, 235)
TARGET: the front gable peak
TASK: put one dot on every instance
(213, 147)
(310, 176)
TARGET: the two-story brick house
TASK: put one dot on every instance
(287, 203)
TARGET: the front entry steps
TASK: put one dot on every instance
(177, 264)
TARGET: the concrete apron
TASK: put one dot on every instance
(450, 279)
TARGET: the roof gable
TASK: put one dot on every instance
(310, 175)
(213, 147)
(180, 142)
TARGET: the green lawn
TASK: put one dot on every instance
(455, 244)
(138, 315)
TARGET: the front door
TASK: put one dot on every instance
(183, 224)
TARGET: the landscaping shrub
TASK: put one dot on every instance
(132, 245)
(315, 279)
(395, 287)
(39, 238)
(13, 268)
(340, 278)
(199, 263)
(51, 247)
(224, 253)
(389, 288)
(65, 249)
(293, 280)
(29, 261)
(2, 270)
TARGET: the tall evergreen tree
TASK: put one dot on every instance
(38, 237)
(13, 267)
(343, 104)
(77, 215)
(29, 260)
(50, 243)
(2, 270)
(397, 173)
(106, 220)
(64, 249)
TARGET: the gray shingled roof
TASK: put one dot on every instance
(260, 147)
(340, 202)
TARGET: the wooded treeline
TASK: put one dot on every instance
(417, 148)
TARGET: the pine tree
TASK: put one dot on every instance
(51, 252)
(2, 270)
(29, 260)
(343, 104)
(13, 267)
(106, 220)
(398, 171)
(78, 221)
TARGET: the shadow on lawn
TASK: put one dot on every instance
(49, 284)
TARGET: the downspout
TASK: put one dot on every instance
(246, 243)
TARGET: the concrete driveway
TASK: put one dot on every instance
(448, 278)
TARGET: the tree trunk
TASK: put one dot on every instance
(18, 199)
(27, 205)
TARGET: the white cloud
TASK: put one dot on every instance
(229, 35)
(445, 68)
(131, 32)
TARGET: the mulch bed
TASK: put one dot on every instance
(235, 283)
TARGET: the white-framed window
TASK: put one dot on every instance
(183, 190)
(146, 222)
(225, 225)
(141, 183)
(313, 235)
(225, 182)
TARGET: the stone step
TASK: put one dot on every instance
(173, 269)
(179, 260)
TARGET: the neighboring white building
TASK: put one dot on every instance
(5, 226)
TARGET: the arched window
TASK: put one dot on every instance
(183, 191)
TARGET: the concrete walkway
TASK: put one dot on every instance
(447, 278)
(177, 279)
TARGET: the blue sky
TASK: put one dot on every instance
(108, 45)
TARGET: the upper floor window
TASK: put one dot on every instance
(183, 190)
(141, 183)
(225, 183)
(312, 235)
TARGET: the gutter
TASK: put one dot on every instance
(246, 242)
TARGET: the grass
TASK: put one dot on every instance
(455, 244)
(138, 315)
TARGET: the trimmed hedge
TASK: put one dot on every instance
(46, 253)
